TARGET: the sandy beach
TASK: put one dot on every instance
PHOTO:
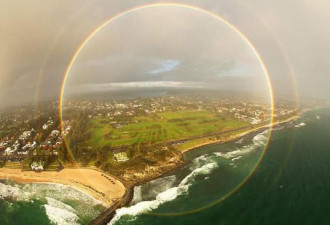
(101, 186)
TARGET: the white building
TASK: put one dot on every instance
(37, 166)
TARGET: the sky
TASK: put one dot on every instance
(163, 47)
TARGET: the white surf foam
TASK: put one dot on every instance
(54, 195)
(60, 213)
(235, 153)
(199, 161)
(165, 196)
(13, 192)
(58, 204)
(59, 192)
(60, 216)
(278, 127)
(258, 140)
(202, 165)
(206, 169)
(153, 187)
(236, 158)
(147, 206)
(300, 124)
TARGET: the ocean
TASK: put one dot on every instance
(218, 184)
(45, 203)
(291, 184)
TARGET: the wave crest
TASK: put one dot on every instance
(257, 141)
(165, 196)
(61, 216)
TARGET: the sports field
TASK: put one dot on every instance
(160, 127)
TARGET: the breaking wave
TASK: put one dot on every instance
(300, 124)
(58, 204)
(146, 206)
(167, 195)
(199, 161)
(14, 193)
(257, 141)
(60, 213)
(206, 169)
(202, 165)
(278, 127)
(54, 198)
(153, 188)
(58, 191)
(236, 158)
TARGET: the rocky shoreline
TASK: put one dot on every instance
(105, 217)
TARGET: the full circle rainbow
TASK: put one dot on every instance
(211, 15)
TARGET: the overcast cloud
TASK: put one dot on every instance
(162, 47)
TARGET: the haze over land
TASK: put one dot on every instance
(165, 47)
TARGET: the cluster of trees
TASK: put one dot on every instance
(47, 159)
(75, 140)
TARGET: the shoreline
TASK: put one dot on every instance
(112, 211)
(123, 194)
(101, 186)
(240, 135)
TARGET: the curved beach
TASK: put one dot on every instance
(101, 186)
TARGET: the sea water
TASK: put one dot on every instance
(45, 203)
(291, 184)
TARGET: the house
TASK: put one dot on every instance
(121, 157)
(29, 146)
(23, 153)
(48, 124)
(37, 166)
(10, 151)
(58, 144)
(26, 135)
(45, 126)
(120, 106)
(66, 131)
(117, 113)
(3, 146)
(55, 133)
(44, 145)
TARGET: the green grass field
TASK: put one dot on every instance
(160, 127)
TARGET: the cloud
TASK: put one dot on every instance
(38, 38)
(165, 66)
(90, 88)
